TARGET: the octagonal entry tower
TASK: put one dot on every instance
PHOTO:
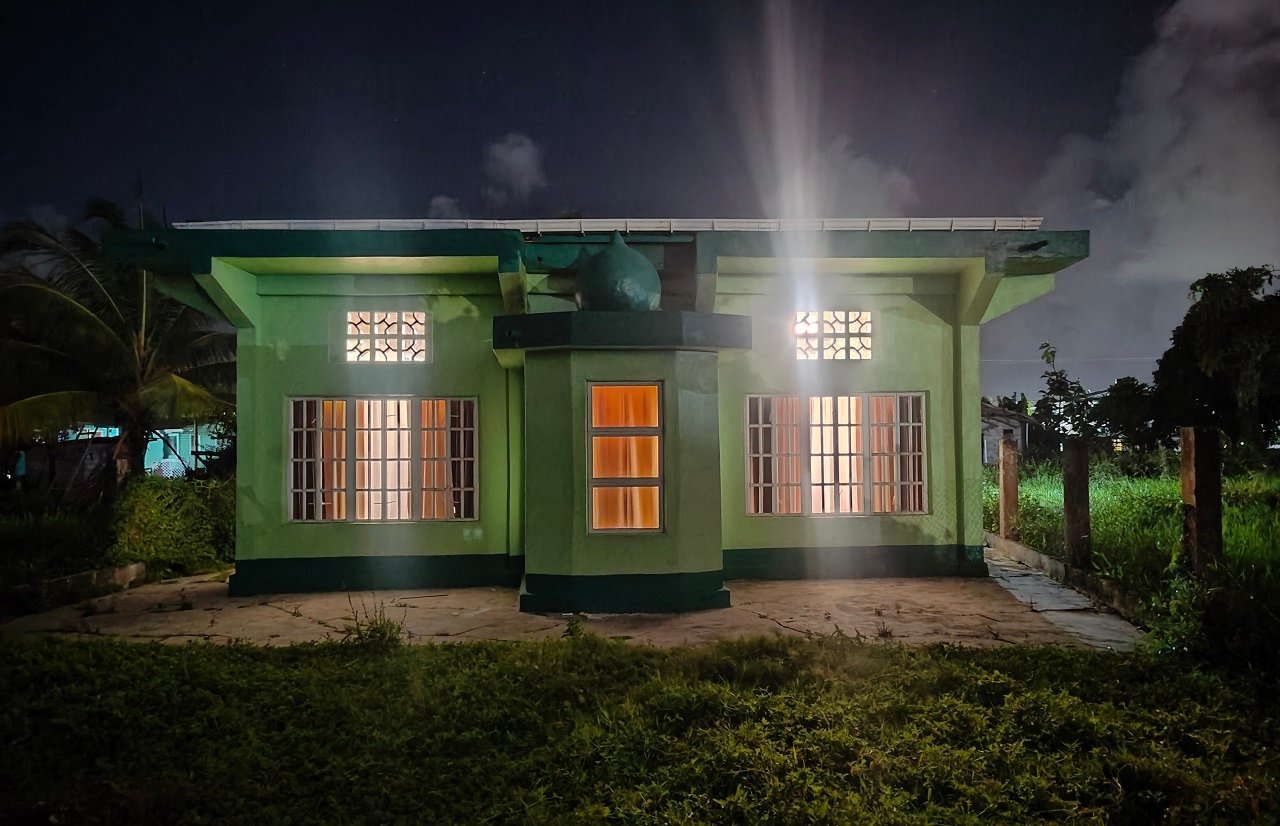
(621, 443)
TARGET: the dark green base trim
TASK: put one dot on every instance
(371, 573)
(854, 562)
(624, 593)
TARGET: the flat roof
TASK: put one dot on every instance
(594, 225)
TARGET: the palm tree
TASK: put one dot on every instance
(84, 341)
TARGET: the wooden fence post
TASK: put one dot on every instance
(1075, 505)
(1201, 497)
(1009, 489)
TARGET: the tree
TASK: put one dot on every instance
(1126, 411)
(85, 341)
(1223, 366)
(1064, 407)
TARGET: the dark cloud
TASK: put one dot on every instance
(444, 206)
(1186, 181)
(512, 167)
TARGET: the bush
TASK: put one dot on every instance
(42, 546)
(176, 526)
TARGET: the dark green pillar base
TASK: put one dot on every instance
(372, 573)
(623, 593)
(854, 562)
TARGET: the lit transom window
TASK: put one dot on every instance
(388, 336)
(835, 335)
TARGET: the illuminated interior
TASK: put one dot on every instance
(380, 478)
(626, 457)
(828, 447)
(387, 336)
(833, 335)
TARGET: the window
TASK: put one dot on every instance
(834, 335)
(625, 456)
(855, 454)
(384, 459)
(388, 336)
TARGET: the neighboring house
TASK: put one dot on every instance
(448, 403)
(1000, 423)
(76, 459)
(174, 451)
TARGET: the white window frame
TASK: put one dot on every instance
(832, 335)
(416, 461)
(863, 453)
(390, 337)
(630, 481)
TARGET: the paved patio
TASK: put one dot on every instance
(1015, 605)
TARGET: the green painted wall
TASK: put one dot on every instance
(912, 351)
(557, 541)
(297, 349)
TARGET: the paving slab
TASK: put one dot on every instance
(1013, 605)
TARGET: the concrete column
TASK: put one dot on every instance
(1009, 489)
(1202, 497)
(1075, 504)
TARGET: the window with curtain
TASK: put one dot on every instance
(382, 459)
(854, 454)
(625, 441)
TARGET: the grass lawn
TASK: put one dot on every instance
(1137, 525)
(584, 730)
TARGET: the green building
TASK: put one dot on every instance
(614, 415)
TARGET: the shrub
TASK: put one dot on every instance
(176, 526)
(46, 545)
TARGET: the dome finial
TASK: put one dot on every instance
(618, 278)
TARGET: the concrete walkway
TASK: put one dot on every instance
(1015, 605)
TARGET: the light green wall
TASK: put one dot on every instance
(296, 349)
(913, 350)
(556, 487)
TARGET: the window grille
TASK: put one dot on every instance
(365, 452)
(382, 336)
(833, 335)
(854, 454)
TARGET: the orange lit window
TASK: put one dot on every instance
(626, 457)
(382, 459)
(856, 454)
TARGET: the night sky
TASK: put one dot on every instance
(1154, 124)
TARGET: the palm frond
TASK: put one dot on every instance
(217, 377)
(45, 314)
(173, 399)
(28, 369)
(188, 342)
(28, 237)
(50, 413)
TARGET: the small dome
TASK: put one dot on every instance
(618, 278)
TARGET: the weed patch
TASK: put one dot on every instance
(585, 729)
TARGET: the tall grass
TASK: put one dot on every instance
(1137, 524)
(585, 731)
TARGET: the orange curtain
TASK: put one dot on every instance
(786, 448)
(333, 455)
(629, 456)
(436, 501)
